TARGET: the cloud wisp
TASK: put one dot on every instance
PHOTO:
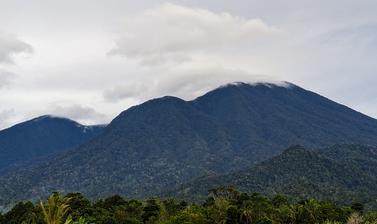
(187, 82)
(78, 112)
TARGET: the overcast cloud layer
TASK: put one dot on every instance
(91, 61)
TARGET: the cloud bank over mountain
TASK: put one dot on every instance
(172, 32)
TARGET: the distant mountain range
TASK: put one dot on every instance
(167, 142)
(35, 139)
(342, 173)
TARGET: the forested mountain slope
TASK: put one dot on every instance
(168, 141)
(343, 173)
(41, 137)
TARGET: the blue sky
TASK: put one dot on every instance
(90, 60)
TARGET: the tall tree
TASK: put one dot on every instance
(55, 210)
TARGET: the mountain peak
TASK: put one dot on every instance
(50, 117)
(269, 84)
(252, 89)
(168, 99)
(40, 137)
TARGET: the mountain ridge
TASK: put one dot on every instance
(40, 137)
(300, 173)
(168, 141)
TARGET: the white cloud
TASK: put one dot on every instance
(10, 46)
(186, 81)
(84, 114)
(5, 78)
(171, 33)
(194, 49)
(5, 117)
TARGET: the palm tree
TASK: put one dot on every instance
(55, 210)
(355, 218)
(246, 216)
(82, 221)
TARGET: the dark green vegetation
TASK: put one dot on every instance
(43, 136)
(341, 173)
(167, 142)
(225, 205)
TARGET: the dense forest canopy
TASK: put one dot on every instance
(223, 205)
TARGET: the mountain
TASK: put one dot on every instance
(41, 137)
(270, 117)
(342, 173)
(168, 141)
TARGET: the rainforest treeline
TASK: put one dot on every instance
(222, 206)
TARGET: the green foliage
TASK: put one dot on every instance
(55, 210)
(344, 174)
(151, 211)
(22, 212)
(223, 206)
(79, 206)
(357, 207)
